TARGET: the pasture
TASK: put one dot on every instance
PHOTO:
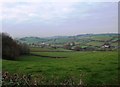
(81, 67)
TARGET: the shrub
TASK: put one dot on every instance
(11, 48)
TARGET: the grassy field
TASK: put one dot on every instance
(38, 49)
(87, 67)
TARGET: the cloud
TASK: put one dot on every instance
(57, 16)
(43, 10)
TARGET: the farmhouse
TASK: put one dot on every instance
(106, 45)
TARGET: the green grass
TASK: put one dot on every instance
(104, 38)
(92, 67)
(95, 43)
(38, 49)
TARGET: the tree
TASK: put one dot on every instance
(11, 48)
(24, 48)
(76, 48)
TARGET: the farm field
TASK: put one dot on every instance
(93, 67)
(37, 49)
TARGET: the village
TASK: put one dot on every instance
(74, 46)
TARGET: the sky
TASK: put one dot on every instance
(45, 18)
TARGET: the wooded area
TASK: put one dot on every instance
(12, 48)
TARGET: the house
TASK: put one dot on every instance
(106, 45)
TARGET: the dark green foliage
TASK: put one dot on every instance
(76, 48)
(24, 48)
(11, 48)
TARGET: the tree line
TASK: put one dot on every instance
(11, 49)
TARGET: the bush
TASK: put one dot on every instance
(11, 48)
(24, 48)
(77, 48)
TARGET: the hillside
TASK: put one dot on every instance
(83, 39)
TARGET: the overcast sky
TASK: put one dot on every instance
(45, 18)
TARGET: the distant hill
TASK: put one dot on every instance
(83, 39)
(32, 39)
